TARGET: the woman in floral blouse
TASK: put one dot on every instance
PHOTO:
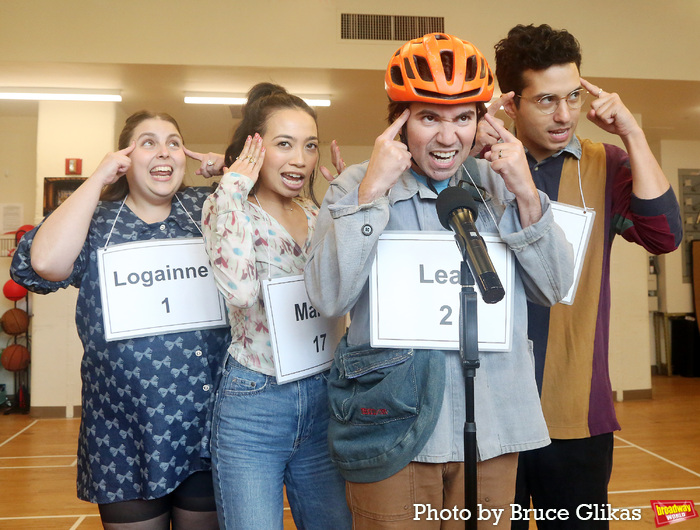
(258, 226)
(146, 400)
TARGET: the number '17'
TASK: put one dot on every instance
(322, 342)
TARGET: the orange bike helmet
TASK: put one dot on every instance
(439, 68)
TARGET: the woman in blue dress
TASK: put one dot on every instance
(146, 400)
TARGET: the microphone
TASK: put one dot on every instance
(457, 211)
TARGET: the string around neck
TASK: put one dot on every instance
(121, 207)
(284, 207)
(483, 200)
(188, 215)
(580, 185)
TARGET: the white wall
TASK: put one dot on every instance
(17, 172)
(305, 33)
(56, 348)
(18, 162)
(678, 296)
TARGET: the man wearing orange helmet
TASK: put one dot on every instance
(398, 414)
(538, 71)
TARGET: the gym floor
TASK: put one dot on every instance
(656, 458)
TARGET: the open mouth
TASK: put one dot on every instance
(161, 172)
(559, 135)
(443, 157)
(293, 180)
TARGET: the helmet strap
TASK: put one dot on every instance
(403, 136)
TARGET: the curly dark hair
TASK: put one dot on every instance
(532, 48)
(264, 99)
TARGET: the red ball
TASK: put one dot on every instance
(15, 321)
(15, 357)
(13, 291)
(21, 231)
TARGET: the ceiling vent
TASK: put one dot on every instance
(354, 26)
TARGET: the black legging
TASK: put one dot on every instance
(195, 494)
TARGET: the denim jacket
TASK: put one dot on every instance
(392, 406)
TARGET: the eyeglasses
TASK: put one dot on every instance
(550, 102)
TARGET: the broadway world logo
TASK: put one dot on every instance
(669, 512)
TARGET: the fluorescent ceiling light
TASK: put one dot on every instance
(215, 100)
(65, 94)
(240, 99)
(317, 101)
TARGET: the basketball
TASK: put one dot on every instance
(15, 357)
(13, 291)
(15, 321)
(21, 231)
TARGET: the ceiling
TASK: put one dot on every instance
(669, 109)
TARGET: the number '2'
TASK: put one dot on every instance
(445, 320)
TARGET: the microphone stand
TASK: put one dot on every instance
(469, 352)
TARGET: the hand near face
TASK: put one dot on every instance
(114, 165)
(485, 133)
(250, 160)
(508, 160)
(212, 164)
(389, 159)
(337, 162)
(608, 112)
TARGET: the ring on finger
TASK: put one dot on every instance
(210, 162)
(500, 154)
(600, 91)
(251, 159)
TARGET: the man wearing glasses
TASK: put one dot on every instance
(538, 73)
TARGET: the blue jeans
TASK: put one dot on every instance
(266, 435)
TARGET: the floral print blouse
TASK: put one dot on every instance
(245, 246)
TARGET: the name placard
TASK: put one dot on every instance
(414, 293)
(158, 286)
(303, 342)
(577, 224)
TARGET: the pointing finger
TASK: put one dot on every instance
(336, 159)
(395, 127)
(326, 174)
(502, 132)
(591, 88)
(127, 150)
(193, 154)
(500, 102)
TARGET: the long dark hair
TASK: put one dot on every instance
(263, 100)
(120, 189)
